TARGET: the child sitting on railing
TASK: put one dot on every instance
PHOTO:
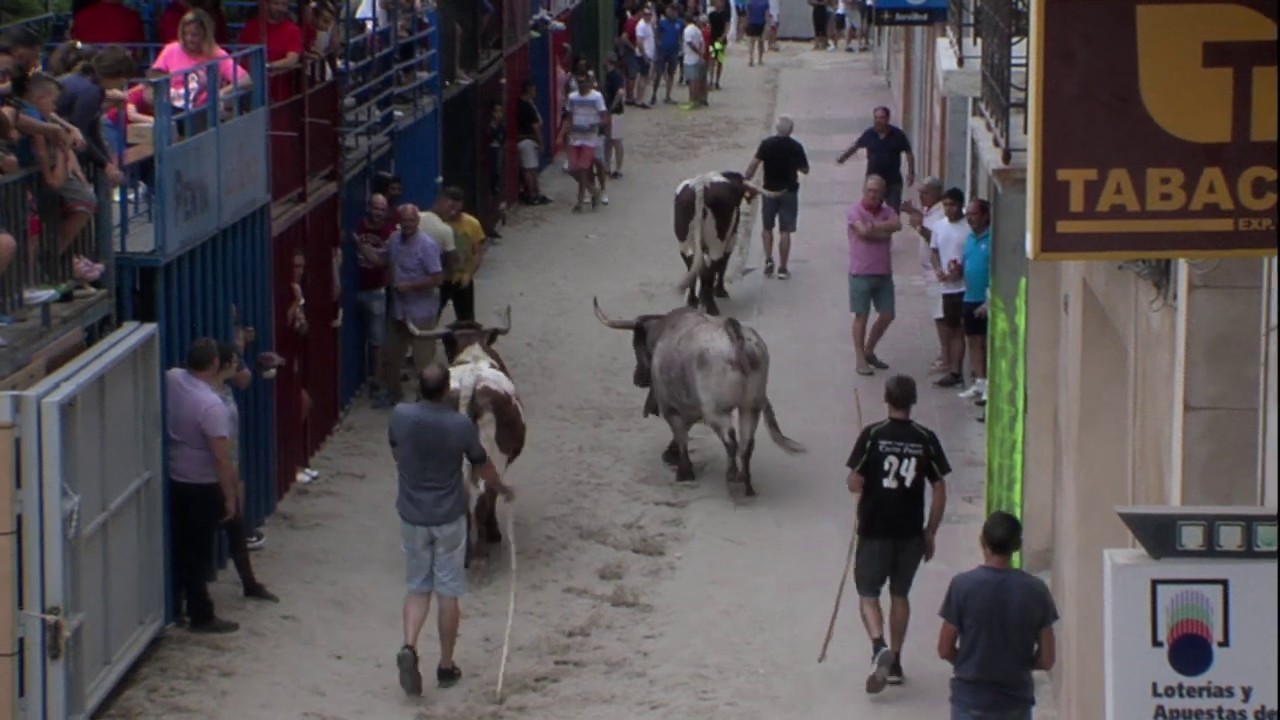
(62, 179)
(8, 166)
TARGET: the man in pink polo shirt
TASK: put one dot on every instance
(871, 225)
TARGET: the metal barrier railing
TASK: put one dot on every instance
(389, 71)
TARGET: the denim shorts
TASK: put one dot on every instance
(962, 714)
(782, 211)
(374, 304)
(435, 557)
(866, 291)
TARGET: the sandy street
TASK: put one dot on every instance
(638, 599)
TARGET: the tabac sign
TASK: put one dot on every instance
(1153, 129)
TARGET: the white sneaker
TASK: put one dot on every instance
(971, 392)
(39, 296)
(604, 199)
(879, 676)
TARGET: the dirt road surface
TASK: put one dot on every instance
(638, 598)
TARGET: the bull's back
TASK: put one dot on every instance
(698, 367)
(489, 398)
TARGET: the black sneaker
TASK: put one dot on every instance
(949, 380)
(879, 676)
(448, 677)
(410, 678)
(768, 267)
(876, 362)
(216, 626)
(260, 592)
(895, 673)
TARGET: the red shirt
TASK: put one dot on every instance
(706, 44)
(108, 23)
(373, 277)
(631, 27)
(172, 17)
(282, 38)
(136, 97)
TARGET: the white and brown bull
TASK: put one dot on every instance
(715, 200)
(482, 387)
(702, 368)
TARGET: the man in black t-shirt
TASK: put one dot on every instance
(615, 98)
(529, 136)
(885, 145)
(783, 159)
(889, 466)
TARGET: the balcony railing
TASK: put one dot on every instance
(389, 70)
(962, 29)
(1004, 25)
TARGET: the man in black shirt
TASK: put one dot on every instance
(718, 18)
(529, 143)
(889, 466)
(885, 145)
(783, 158)
(615, 98)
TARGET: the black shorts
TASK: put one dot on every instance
(877, 561)
(820, 21)
(868, 16)
(974, 326)
(952, 309)
(755, 31)
(840, 22)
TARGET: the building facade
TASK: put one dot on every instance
(1112, 382)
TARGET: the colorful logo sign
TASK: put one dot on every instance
(1190, 620)
(1184, 164)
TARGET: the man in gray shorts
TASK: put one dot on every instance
(783, 158)
(428, 440)
(890, 465)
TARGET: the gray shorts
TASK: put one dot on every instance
(781, 211)
(374, 305)
(878, 561)
(435, 558)
(866, 291)
(694, 71)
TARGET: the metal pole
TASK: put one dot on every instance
(8, 574)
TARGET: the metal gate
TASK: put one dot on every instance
(92, 540)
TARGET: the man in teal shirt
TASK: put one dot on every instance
(977, 284)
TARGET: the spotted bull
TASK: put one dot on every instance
(482, 388)
(702, 368)
(707, 213)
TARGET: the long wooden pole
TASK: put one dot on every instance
(848, 560)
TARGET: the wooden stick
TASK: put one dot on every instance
(511, 605)
(848, 561)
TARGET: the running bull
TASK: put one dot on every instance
(702, 368)
(714, 199)
(482, 387)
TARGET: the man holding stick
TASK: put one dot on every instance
(889, 466)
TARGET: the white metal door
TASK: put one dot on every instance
(90, 448)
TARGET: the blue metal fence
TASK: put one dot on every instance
(542, 72)
(417, 159)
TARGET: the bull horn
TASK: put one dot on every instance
(610, 322)
(433, 334)
(759, 190)
(505, 316)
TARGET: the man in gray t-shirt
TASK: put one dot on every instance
(997, 626)
(429, 440)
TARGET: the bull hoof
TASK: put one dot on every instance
(684, 474)
(493, 537)
(713, 311)
(671, 456)
(722, 293)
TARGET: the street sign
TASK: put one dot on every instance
(910, 12)
(1190, 626)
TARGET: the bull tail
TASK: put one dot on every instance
(741, 248)
(739, 340)
(787, 444)
(697, 242)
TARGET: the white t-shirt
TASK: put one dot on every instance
(949, 239)
(645, 39)
(584, 111)
(691, 47)
(437, 229)
(934, 215)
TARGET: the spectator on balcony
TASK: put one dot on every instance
(187, 62)
(283, 39)
(138, 109)
(19, 56)
(171, 20)
(65, 192)
(108, 22)
(8, 166)
(529, 144)
(417, 272)
(885, 145)
(320, 34)
(472, 243)
(371, 235)
(87, 77)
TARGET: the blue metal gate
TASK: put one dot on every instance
(417, 158)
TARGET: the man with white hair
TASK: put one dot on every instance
(923, 220)
(783, 158)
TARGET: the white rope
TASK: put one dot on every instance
(511, 605)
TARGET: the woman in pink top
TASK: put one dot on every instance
(196, 45)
